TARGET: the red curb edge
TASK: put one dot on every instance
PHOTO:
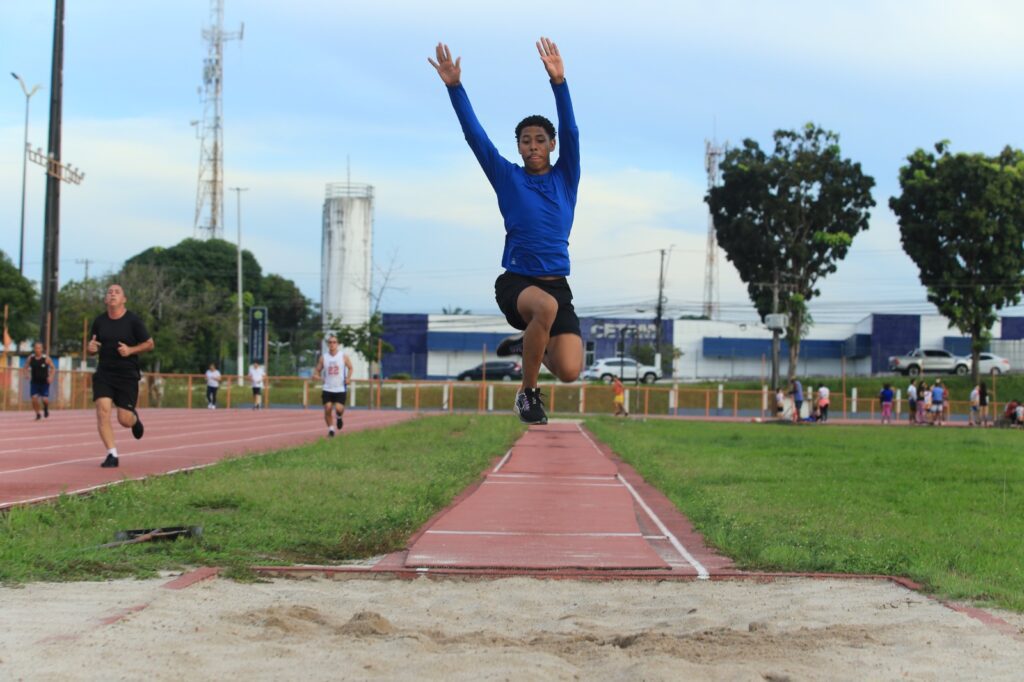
(191, 578)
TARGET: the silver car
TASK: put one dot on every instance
(989, 363)
(626, 369)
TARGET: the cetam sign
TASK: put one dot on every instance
(258, 335)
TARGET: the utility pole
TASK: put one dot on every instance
(659, 312)
(775, 331)
(85, 262)
(712, 153)
(238, 192)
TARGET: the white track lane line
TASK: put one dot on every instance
(502, 462)
(159, 451)
(558, 483)
(513, 533)
(702, 573)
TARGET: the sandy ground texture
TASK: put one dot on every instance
(509, 629)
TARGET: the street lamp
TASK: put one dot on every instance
(24, 169)
(238, 191)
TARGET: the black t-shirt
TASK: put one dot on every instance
(39, 369)
(128, 329)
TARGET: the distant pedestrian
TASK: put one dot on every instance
(1012, 413)
(797, 391)
(983, 403)
(212, 384)
(938, 402)
(40, 376)
(336, 369)
(620, 397)
(912, 403)
(780, 403)
(119, 336)
(885, 397)
(257, 378)
(947, 404)
(824, 396)
(974, 416)
(924, 403)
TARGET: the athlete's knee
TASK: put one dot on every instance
(125, 418)
(539, 307)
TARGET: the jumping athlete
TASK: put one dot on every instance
(118, 335)
(40, 377)
(537, 201)
(336, 368)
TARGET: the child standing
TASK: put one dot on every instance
(885, 397)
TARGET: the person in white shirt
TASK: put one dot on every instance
(912, 403)
(336, 369)
(257, 376)
(823, 401)
(212, 384)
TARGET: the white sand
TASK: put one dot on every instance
(511, 629)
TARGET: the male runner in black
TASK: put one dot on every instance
(118, 335)
(41, 370)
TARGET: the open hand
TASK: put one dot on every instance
(94, 345)
(123, 349)
(449, 71)
(552, 60)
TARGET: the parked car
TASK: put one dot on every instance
(626, 369)
(922, 360)
(504, 370)
(989, 363)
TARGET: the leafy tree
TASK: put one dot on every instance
(363, 338)
(78, 300)
(194, 262)
(22, 301)
(455, 310)
(962, 222)
(785, 219)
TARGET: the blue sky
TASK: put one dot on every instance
(317, 82)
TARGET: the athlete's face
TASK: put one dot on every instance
(332, 344)
(37, 349)
(115, 297)
(535, 146)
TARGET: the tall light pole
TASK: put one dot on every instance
(238, 193)
(24, 170)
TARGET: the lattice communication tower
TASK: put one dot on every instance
(209, 216)
(712, 154)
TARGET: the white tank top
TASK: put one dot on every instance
(334, 371)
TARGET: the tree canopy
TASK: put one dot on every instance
(786, 218)
(962, 222)
(22, 301)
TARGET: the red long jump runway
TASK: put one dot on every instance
(556, 502)
(41, 459)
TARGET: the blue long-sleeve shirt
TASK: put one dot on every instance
(538, 209)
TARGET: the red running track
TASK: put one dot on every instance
(559, 501)
(41, 459)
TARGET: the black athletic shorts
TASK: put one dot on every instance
(39, 389)
(257, 390)
(338, 398)
(509, 285)
(123, 391)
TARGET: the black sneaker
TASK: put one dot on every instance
(46, 410)
(137, 428)
(510, 345)
(330, 434)
(530, 407)
(338, 422)
(110, 462)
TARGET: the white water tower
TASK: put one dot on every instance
(347, 258)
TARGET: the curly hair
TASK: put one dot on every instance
(536, 120)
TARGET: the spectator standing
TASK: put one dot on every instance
(797, 391)
(924, 403)
(620, 398)
(974, 416)
(257, 377)
(983, 403)
(41, 369)
(938, 406)
(780, 403)
(885, 396)
(212, 384)
(912, 403)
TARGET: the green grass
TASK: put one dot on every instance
(355, 496)
(944, 507)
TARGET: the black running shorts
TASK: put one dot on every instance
(123, 391)
(257, 390)
(509, 285)
(338, 398)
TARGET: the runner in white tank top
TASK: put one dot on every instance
(336, 369)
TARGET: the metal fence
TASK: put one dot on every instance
(72, 389)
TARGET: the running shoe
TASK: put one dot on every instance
(530, 407)
(46, 410)
(511, 345)
(110, 462)
(137, 428)
(338, 422)
(330, 434)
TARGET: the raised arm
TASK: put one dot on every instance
(552, 60)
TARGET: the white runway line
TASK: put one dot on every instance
(502, 462)
(513, 533)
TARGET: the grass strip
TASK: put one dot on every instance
(943, 507)
(357, 495)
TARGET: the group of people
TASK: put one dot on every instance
(820, 400)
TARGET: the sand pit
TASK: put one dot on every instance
(516, 629)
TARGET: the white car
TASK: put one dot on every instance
(626, 369)
(989, 363)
